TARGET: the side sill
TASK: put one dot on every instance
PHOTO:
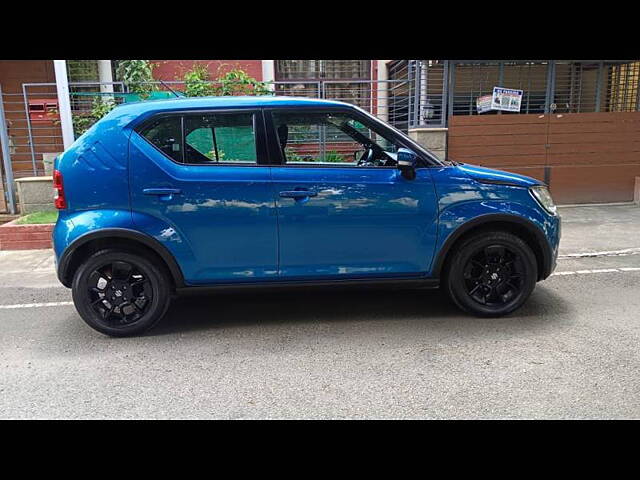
(363, 283)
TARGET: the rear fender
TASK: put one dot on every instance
(74, 231)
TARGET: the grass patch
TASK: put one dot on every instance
(38, 217)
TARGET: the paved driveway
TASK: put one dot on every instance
(570, 352)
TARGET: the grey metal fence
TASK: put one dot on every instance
(387, 99)
(33, 120)
(8, 200)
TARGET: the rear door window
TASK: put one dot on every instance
(220, 138)
(165, 133)
(208, 138)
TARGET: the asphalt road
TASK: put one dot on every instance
(570, 352)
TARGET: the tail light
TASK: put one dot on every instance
(59, 201)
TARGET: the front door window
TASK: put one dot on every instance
(331, 139)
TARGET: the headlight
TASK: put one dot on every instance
(542, 195)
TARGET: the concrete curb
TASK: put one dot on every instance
(25, 237)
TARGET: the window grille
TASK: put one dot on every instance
(82, 70)
(322, 69)
(473, 80)
(622, 87)
(398, 94)
(576, 86)
(429, 92)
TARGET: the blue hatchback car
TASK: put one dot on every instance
(219, 192)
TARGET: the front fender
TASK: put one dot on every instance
(458, 219)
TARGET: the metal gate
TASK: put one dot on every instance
(584, 157)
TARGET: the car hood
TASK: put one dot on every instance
(489, 175)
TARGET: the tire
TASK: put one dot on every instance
(504, 279)
(117, 300)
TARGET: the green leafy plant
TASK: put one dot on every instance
(212, 155)
(334, 157)
(137, 75)
(198, 83)
(102, 106)
(83, 121)
(238, 82)
(293, 156)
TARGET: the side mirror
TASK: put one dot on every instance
(407, 161)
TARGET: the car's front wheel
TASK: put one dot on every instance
(491, 273)
(121, 293)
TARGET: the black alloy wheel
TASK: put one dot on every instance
(121, 293)
(491, 273)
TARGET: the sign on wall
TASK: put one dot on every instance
(505, 99)
(483, 104)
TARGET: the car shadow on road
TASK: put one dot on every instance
(295, 307)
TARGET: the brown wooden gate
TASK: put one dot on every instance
(584, 157)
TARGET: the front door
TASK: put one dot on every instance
(344, 209)
(200, 184)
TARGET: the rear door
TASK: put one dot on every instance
(341, 216)
(200, 183)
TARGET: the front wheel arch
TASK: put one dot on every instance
(532, 235)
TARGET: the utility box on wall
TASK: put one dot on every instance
(43, 110)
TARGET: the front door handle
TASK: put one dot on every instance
(165, 194)
(298, 194)
(161, 191)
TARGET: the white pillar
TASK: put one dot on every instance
(383, 90)
(64, 103)
(269, 72)
(105, 76)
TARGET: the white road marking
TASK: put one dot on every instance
(576, 272)
(35, 305)
(599, 270)
(605, 253)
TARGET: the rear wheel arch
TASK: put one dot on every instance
(116, 238)
(533, 236)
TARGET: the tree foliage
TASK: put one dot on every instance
(198, 83)
(83, 121)
(137, 75)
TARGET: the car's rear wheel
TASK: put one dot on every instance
(121, 293)
(491, 274)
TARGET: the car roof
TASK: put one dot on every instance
(188, 103)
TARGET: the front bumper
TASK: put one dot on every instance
(555, 246)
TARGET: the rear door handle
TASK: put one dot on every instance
(297, 194)
(163, 194)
